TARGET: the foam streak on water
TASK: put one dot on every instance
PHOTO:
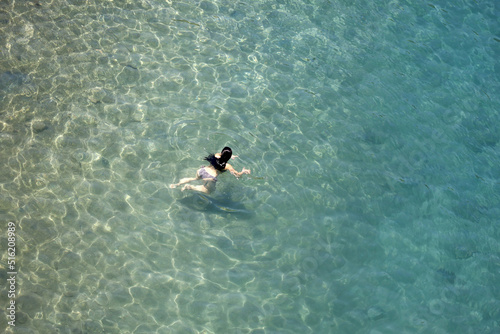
(371, 129)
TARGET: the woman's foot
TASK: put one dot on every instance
(173, 185)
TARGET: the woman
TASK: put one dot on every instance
(218, 164)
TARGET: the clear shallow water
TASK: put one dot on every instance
(372, 132)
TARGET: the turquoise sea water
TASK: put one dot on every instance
(372, 130)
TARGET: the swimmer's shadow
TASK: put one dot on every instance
(220, 205)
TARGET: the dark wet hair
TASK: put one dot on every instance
(220, 163)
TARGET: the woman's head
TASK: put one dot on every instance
(225, 154)
(220, 163)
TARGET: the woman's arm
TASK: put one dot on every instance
(235, 172)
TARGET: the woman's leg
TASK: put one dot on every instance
(206, 188)
(184, 180)
(201, 188)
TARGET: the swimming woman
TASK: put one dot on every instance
(218, 164)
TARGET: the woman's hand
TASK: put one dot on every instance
(245, 171)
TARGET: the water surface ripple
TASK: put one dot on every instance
(371, 128)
